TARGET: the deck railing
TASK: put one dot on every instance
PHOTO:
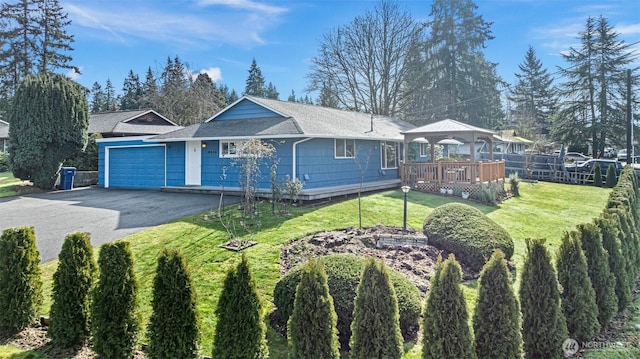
(452, 172)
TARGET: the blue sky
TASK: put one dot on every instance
(221, 37)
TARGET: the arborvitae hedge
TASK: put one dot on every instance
(173, 326)
(543, 324)
(626, 243)
(376, 327)
(612, 179)
(466, 231)
(496, 320)
(20, 282)
(312, 331)
(617, 261)
(445, 331)
(597, 175)
(601, 277)
(72, 284)
(114, 317)
(344, 272)
(240, 330)
(578, 296)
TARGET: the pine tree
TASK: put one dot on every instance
(376, 327)
(544, 328)
(597, 175)
(445, 332)
(612, 177)
(49, 120)
(131, 92)
(20, 282)
(578, 296)
(173, 326)
(72, 284)
(240, 330)
(534, 97)
(312, 331)
(114, 317)
(271, 92)
(17, 60)
(55, 43)
(149, 90)
(328, 97)
(110, 96)
(602, 279)
(98, 99)
(496, 320)
(617, 261)
(292, 97)
(255, 81)
(620, 218)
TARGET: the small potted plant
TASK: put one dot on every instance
(465, 195)
(443, 190)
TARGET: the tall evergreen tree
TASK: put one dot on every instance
(49, 120)
(328, 96)
(72, 284)
(292, 97)
(534, 98)
(271, 92)
(376, 325)
(544, 328)
(20, 282)
(173, 326)
(114, 316)
(445, 330)
(578, 296)
(98, 99)
(110, 96)
(449, 76)
(205, 98)
(601, 277)
(496, 320)
(255, 81)
(312, 331)
(149, 90)
(595, 84)
(240, 330)
(131, 92)
(173, 100)
(19, 53)
(617, 261)
(54, 42)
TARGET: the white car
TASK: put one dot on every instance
(622, 155)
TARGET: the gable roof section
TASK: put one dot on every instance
(119, 122)
(4, 129)
(290, 119)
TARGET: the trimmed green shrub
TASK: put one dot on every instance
(617, 261)
(445, 330)
(114, 317)
(629, 251)
(496, 319)
(343, 273)
(312, 328)
(173, 326)
(514, 184)
(578, 296)
(240, 330)
(601, 277)
(375, 326)
(597, 175)
(72, 284)
(468, 233)
(612, 178)
(4, 162)
(544, 328)
(20, 282)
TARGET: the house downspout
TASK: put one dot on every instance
(295, 158)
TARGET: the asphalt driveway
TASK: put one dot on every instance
(107, 214)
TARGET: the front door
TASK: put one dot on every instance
(193, 163)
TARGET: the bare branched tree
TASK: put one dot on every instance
(364, 61)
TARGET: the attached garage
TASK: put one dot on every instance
(142, 166)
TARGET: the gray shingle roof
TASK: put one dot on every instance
(297, 120)
(116, 122)
(4, 129)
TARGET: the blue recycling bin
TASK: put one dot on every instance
(66, 177)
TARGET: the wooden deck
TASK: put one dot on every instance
(311, 194)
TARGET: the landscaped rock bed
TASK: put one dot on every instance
(416, 263)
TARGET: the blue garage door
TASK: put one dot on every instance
(137, 167)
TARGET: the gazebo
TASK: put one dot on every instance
(467, 175)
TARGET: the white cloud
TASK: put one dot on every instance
(247, 5)
(215, 73)
(72, 74)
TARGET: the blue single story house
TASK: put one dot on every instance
(330, 150)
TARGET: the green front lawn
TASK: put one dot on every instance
(543, 210)
(7, 183)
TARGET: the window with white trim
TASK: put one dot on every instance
(425, 149)
(345, 148)
(389, 154)
(231, 149)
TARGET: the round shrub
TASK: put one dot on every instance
(344, 272)
(468, 233)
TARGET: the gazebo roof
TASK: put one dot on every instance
(449, 129)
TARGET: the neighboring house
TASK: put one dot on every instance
(508, 141)
(327, 149)
(129, 123)
(4, 136)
